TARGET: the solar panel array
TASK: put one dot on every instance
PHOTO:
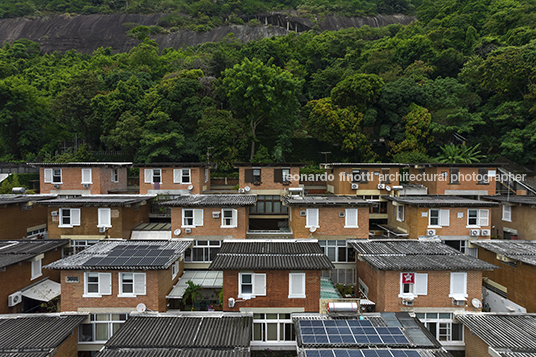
(349, 332)
(143, 255)
(361, 353)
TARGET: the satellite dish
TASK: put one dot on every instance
(388, 188)
(190, 187)
(177, 232)
(312, 229)
(477, 304)
(141, 307)
(247, 188)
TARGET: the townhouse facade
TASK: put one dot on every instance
(172, 178)
(31, 218)
(513, 217)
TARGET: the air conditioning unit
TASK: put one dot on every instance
(474, 232)
(102, 229)
(57, 187)
(241, 190)
(458, 302)
(355, 186)
(215, 214)
(381, 186)
(87, 185)
(14, 299)
(341, 214)
(303, 213)
(485, 232)
(187, 230)
(430, 232)
(190, 187)
(407, 302)
(54, 213)
(388, 188)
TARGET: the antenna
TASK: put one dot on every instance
(141, 307)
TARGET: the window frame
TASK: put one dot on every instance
(102, 224)
(115, 175)
(99, 283)
(282, 325)
(426, 321)
(36, 265)
(253, 276)
(454, 176)
(479, 218)
(483, 174)
(70, 224)
(196, 213)
(94, 322)
(188, 175)
(206, 249)
(234, 218)
(336, 247)
(453, 294)
(507, 213)
(256, 178)
(400, 213)
(412, 288)
(90, 176)
(135, 281)
(303, 295)
(309, 224)
(347, 214)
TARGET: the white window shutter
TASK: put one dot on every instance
(458, 284)
(105, 219)
(296, 282)
(139, 284)
(351, 217)
(311, 217)
(444, 217)
(105, 283)
(259, 284)
(177, 175)
(507, 213)
(48, 175)
(75, 216)
(86, 175)
(483, 217)
(421, 284)
(198, 217)
(235, 218)
(148, 175)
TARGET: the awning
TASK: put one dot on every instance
(43, 291)
(207, 279)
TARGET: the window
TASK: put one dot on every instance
(311, 218)
(268, 204)
(272, 327)
(207, 175)
(385, 178)
(350, 218)
(439, 217)
(413, 284)
(341, 276)
(256, 175)
(296, 285)
(441, 326)
(478, 217)
(101, 328)
(282, 175)
(105, 218)
(454, 175)
(153, 175)
(69, 217)
(53, 176)
(483, 176)
(115, 175)
(86, 176)
(192, 217)
(97, 284)
(182, 176)
(202, 251)
(252, 284)
(228, 218)
(507, 213)
(36, 269)
(359, 176)
(78, 245)
(253, 175)
(458, 285)
(462, 246)
(338, 251)
(132, 284)
(285, 172)
(174, 270)
(363, 288)
(400, 213)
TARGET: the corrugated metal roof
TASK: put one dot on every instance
(271, 255)
(213, 200)
(364, 164)
(25, 354)
(268, 164)
(75, 164)
(440, 201)
(16, 199)
(401, 247)
(125, 254)
(152, 227)
(176, 164)
(186, 352)
(97, 200)
(327, 201)
(183, 331)
(36, 331)
(14, 251)
(524, 200)
(511, 332)
(520, 250)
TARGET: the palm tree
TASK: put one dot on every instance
(192, 292)
(460, 154)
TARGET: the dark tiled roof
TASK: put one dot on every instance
(36, 332)
(16, 199)
(97, 201)
(363, 164)
(14, 251)
(440, 201)
(409, 254)
(326, 201)
(184, 352)
(524, 200)
(269, 164)
(439, 164)
(177, 164)
(75, 164)
(222, 331)
(214, 200)
(121, 254)
(271, 255)
(25, 354)
(507, 332)
(520, 250)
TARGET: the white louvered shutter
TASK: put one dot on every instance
(86, 175)
(105, 283)
(259, 284)
(139, 284)
(444, 217)
(351, 217)
(177, 175)
(148, 175)
(297, 284)
(198, 217)
(105, 219)
(75, 216)
(507, 213)
(48, 175)
(458, 284)
(421, 284)
(235, 218)
(312, 217)
(483, 217)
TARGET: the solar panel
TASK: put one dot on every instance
(160, 261)
(141, 253)
(93, 261)
(361, 353)
(167, 252)
(134, 261)
(146, 261)
(106, 261)
(119, 261)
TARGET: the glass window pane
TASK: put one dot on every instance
(197, 255)
(103, 317)
(444, 316)
(257, 332)
(101, 332)
(277, 207)
(258, 316)
(431, 315)
(331, 253)
(284, 316)
(271, 332)
(342, 254)
(247, 289)
(246, 278)
(260, 207)
(269, 207)
(271, 316)
(85, 333)
(119, 317)
(116, 327)
(457, 332)
(420, 315)
(432, 327)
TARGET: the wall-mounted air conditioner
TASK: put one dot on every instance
(430, 232)
(485, 232)
(303, 213)
(381, 186)
(14, 299)
(341, 214)
(57, 187)
(187, 230)
(407, 302)
(458, 302)
(87, 185)
(355, 186)
(241, 190)
(102, 229)
(474, 232)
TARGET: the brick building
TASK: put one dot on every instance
(86, 219)
(31, 218)
(454, 220)
(110, 279)
(174, 178)
(428, 278)
(24, 284)
(272, 278)
(509, 289)
(40, 335)
(82, 178)
(514, 217)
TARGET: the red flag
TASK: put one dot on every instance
(408, 278)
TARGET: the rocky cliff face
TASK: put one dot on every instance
(86, 33)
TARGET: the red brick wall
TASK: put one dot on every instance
(212, 226)
(522, 221)
(69, 348)
(438, 187)
(330, 223)
(474, 346)
(18, 276)
(197, 179)
(267, 179)
(9, 214)
(344, 186)
(105, 180)
(72, 180)
(277, 291)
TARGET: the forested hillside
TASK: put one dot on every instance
(465, 70)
